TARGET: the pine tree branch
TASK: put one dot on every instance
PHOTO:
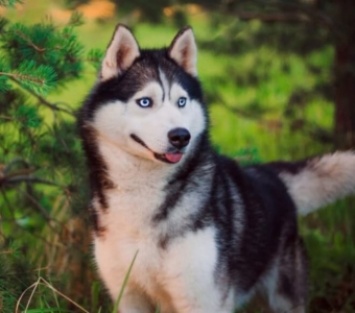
(21, 175)
(290, 12)
(23, 171)
(24, 77)
(309, 11)
(43, 100)
(30, 42)
(41, 210)
(7, 118)
(271, 17)
(25, 179)
(247, 114)
(15, 161)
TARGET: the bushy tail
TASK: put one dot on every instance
(318, 181)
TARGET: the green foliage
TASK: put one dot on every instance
(37, 151)
(151, 11)
(40, 56)
(72, 4)
(9, 3)
(38, 78)
(94, 57)
(329, 237)
(14, 278)
(28, 116)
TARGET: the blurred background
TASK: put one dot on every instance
(279, 80)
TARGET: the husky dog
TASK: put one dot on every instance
(203, 234)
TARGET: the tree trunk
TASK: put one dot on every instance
(344, 69)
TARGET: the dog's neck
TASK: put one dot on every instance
(129, 172)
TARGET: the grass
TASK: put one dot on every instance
(329, 237)
(124, 284)
(41, 282)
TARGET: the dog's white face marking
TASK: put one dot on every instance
(149, 115)
(165, 84)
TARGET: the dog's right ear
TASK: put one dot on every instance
(183, 50)
(120, 54)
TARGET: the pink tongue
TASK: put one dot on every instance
(173, 157)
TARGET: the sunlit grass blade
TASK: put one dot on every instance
(125, 281)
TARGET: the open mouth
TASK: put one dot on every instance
(169, 157)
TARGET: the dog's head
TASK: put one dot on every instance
(149, 102)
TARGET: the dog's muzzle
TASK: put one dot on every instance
(179, 137)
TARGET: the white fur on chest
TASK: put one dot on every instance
(128, 222)
(184, 269)
(114, 252)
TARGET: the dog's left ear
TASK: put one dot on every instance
(120, 54)
(183, 50)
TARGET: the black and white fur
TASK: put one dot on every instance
(208, 234)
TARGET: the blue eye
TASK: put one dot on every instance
(181, 102)
(145, 102)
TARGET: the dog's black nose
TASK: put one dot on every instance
(179, 137)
